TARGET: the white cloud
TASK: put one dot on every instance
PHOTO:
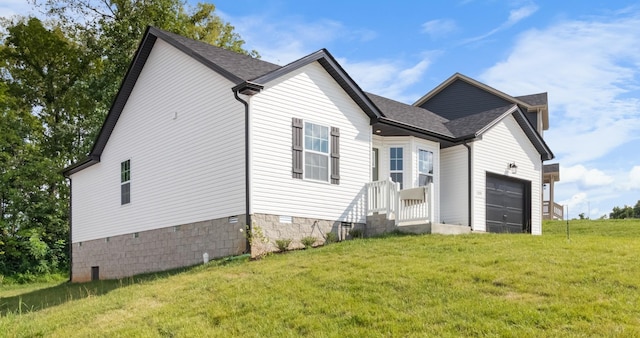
(585, 177)
(439, 28)
(634, 178)
(388, 78)
(577, 202)
(515, 16)
(590, 69)
(288, 39)
(284, 41)
(518, 14)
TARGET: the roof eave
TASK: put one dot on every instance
(85, 163)
(430, 134)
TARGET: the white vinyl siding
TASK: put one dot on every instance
(184, 133)
(502, 144)
(454, 183)
(310, 94)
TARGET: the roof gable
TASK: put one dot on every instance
(479, 85)
(436, 99)
(461, 98)
(329, 63)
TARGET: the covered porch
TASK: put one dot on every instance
(551, 209)
(410, 210)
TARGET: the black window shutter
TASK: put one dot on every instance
(296, 147)
(335, 155)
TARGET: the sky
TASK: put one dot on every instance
(584, 54)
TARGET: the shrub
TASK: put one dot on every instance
(283, 244)
(356, 233)
(308, 241)
(330, 238)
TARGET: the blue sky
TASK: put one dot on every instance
(585, 54)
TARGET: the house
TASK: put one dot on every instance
(201, 142)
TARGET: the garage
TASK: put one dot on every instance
(508, 204)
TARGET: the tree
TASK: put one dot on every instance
(57, 81)
(622, 213)
(119, 24)
(45, 114)
(50, 70)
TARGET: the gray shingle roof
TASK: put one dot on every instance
(534, 99)
(242, 66)
(424, 119)
(472, 124)
(415, 116)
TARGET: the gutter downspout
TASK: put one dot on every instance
(246, 167)
(469, 180)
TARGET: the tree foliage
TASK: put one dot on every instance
(121, 23)
(626, 212)
(57, 80)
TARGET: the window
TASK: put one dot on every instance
(125, 182)
(313, 156)
(316, 152)
(425, 167)
(396, 164)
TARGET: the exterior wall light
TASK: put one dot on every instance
(513, 167)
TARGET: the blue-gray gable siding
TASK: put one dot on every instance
(461, 99)
(533, 118)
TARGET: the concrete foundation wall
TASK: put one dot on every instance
(157, 250)
(274, 227)
(378, 224)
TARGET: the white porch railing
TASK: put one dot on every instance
(408, 205)
(383, 197)
(416, 204)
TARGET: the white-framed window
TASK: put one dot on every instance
(396, 165)
(125, 182)
(316, 152)
(425, 167)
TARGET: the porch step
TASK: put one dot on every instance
(427, 228)
(450, 229)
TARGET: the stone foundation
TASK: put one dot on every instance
(274, 227)
(158, 249)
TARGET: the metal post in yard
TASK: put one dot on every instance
(568, 238)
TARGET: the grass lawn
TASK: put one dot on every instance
(467, 285)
